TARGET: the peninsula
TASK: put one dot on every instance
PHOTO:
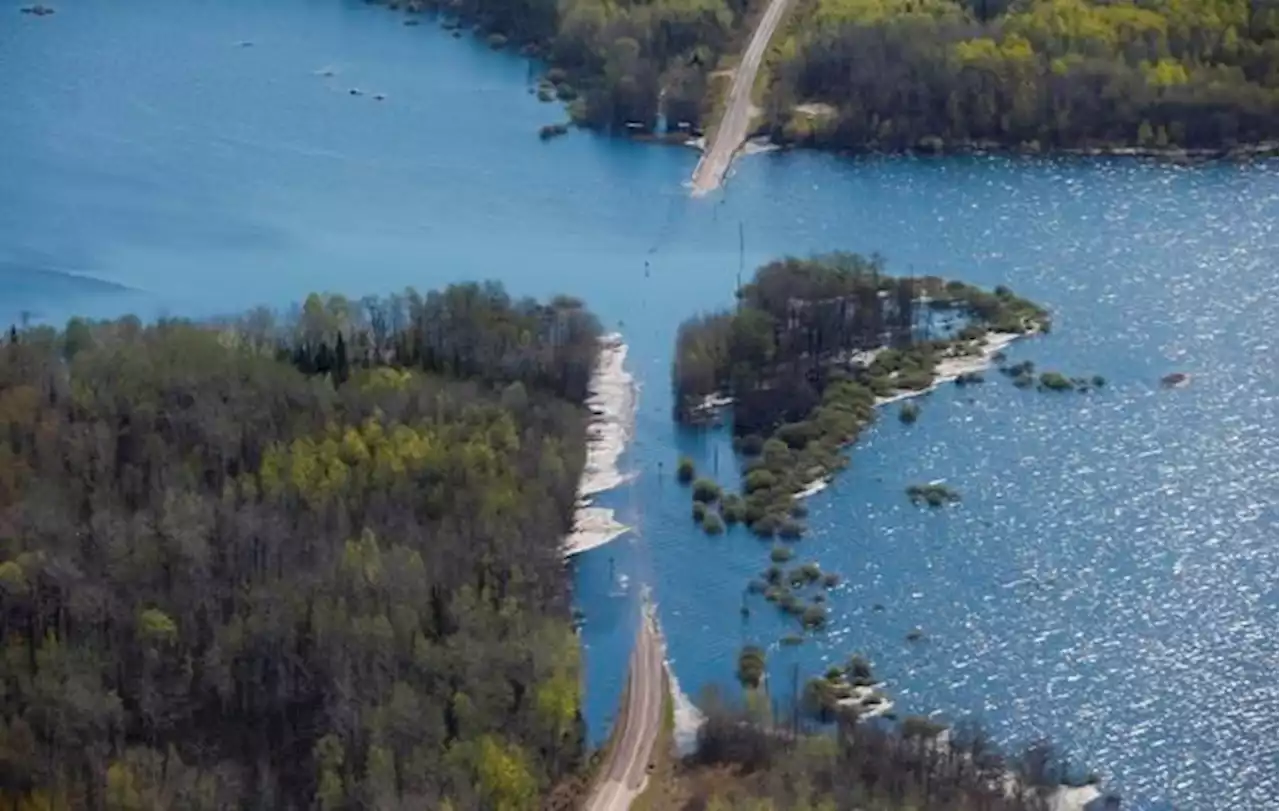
(313, 563)
(813, 347)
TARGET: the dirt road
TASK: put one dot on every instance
(622, 776)
(732, 132)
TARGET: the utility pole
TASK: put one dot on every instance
(742, 259)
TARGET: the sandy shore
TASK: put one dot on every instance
(611, 400)
(951, 368)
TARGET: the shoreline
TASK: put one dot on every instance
(950, 368)
(1167, 154)
(947, 371)
(611, 399)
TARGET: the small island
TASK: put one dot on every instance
(812, 348)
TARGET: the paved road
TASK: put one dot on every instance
(732, 131)
(622, 776)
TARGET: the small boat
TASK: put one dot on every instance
(355, 91)
(1175, 380)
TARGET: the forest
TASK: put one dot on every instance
(306, 562)
(809, 349)
(939, 75)
(751, 757)
(927, 75)
(627, 67)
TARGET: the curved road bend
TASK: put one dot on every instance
(732, 131)
(622, 776)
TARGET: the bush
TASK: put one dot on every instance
(732, 508)
(790, 528)
(799, 510)
(1024, 381)
(556, 75)
(859, 670)
(706, 491)
(699, 511)
(773, 575)
(1098, 381)
(935, 495)
(780, 554)
(909, 413)
(685, 470)
(811, 572)
(915, 380)
(566, 92)
(751, 663)
(830, 580)
(712, 525)
(546, 93)
(766, 527)
(797, 434)
(814, 616)
(774, 593)
(757, 587)
(796, 578)
(791, 640)
(918, 726)
(760, 480)
(1055, 381)
(550, 131)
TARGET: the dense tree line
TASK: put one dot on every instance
(810, 347)
(312, 563)
(943, 74)
(798, 317)
(620, 66)
(777, 763)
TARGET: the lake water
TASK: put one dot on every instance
(1110, 577)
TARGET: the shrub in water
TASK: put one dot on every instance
(780, 554)
(685, 470)
(699, 511)
(815, 616)
(766, 527)
(790, 528)
(706, 491)
(1055, 381)
(909, 413)
(732, 508)
(712, 525)
(751, 666)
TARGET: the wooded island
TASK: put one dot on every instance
(810, 349)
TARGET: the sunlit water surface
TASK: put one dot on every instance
(1110, 577)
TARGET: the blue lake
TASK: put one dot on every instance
(1110, 577)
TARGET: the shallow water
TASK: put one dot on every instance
(1109, 578)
